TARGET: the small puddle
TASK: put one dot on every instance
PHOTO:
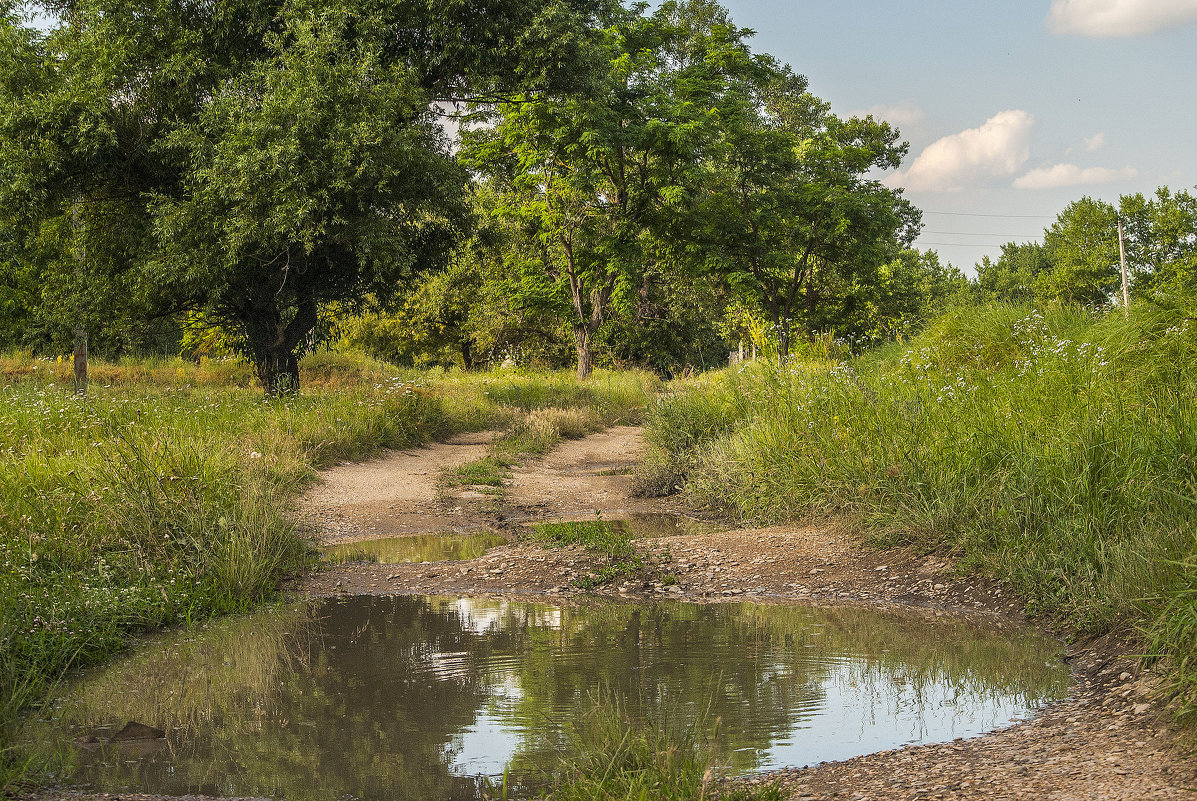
(648, 525)
(411, 697)
(414, 548)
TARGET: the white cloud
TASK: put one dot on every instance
(1118, 17)
(1095, 142)
(1061, 175)
(903, 114)
(951, 164)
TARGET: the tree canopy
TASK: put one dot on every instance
(630, 186)
(256, 160)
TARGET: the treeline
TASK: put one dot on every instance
(622, 187)
(1078, 262)
(628, 186)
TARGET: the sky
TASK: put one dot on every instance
(1012, 109)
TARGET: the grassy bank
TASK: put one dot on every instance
(1055, 451)
(163, 497)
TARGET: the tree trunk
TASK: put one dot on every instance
(582, 339)
(278, 373)
(783, 344)
(273, 343)
(467, 354)
(80, 360)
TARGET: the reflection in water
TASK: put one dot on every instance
(414, 698)
(414, 548)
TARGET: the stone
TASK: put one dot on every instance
(137, 731)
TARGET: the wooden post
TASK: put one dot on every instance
(1122, 258)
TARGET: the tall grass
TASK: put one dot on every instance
(1056, 451)
(149, 503)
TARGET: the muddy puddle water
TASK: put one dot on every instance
(414, 548)
(417, 698)
(648, 525)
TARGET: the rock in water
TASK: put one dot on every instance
(138, 731)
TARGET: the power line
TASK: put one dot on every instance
(920, 243)
(980, 233)
(1003, 216)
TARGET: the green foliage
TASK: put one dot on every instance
(1079, 261)
(584, 182)
(612, 543)
(1082, 245)
(257, 162)
(793, 212)
(1161, 236)
(1055, 450)
(1015, 277)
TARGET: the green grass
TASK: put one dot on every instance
(150, 504)
(612, 543)
(617, 758)
(1055, 451)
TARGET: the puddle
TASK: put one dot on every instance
(623, 468)
(648, 524)
(414, 548)
(409, 697)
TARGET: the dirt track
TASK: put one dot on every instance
(1108, 741)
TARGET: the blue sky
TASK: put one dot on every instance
(1011, 109)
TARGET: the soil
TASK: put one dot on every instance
(392, 495)
(1109, 740)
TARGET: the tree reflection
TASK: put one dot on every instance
(406, 697)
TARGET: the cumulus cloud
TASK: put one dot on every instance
(951, 164)
(1118, 17)
(1061, 175)
(903, 114)
(1095, 142)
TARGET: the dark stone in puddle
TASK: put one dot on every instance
(137, 731)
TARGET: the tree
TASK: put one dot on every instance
(1161, 238)
(793, 205)
(258, 160)
(1082, 245)
(896, 299)
(1017, 275)
(587, 180)
(318, 175)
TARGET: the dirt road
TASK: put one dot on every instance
(1108, 741)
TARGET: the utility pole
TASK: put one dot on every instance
(1122, 258)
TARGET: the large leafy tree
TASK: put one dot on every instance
(586, 182)
(1082, 245)
(794, 209)
(256, 160)
(1017, 275)
(1161, 238)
